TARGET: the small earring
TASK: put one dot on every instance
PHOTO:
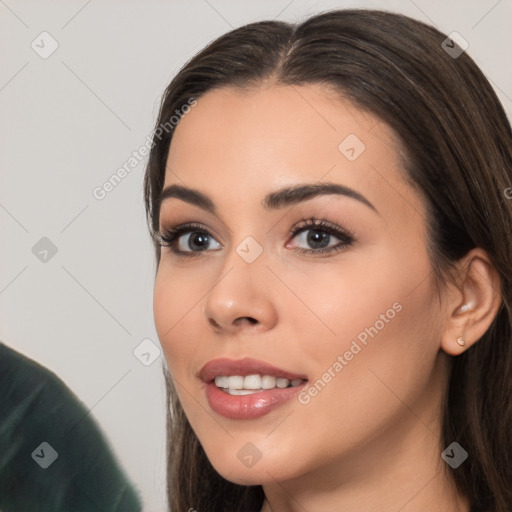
(460, 341)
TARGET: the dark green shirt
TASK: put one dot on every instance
(53, 456)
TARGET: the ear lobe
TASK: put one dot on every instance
(471, 310)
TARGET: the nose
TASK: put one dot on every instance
(241, 300)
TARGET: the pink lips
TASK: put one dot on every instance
(246, 406)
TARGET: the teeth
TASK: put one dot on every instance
(222, 382)
(235, 382)
(282, 383)
(239, 385)
(243, 391)
(268, 382)
(252, 382)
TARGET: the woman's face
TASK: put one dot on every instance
(353, 319)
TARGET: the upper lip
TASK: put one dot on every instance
(243, 367)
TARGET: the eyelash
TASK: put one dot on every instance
(169, 236)
(347, 237)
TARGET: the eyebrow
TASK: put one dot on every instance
(274, 200)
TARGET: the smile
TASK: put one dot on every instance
(247, 388)
(250, 384)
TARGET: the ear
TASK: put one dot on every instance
(472, 303)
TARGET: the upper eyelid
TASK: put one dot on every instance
(304, 224)
(319, 223)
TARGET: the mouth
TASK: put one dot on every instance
(248, 388)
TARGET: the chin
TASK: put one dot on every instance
(264, 471)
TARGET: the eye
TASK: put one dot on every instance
(186, 239)
(318, 233)
(192, 239)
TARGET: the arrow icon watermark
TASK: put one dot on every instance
(249, 249)
(147, 352)
(45, 455)
(351, 147)
(44, 250)
(454, 455)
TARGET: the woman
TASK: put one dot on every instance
(332, 234)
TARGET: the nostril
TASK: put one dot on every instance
(249, 319)
(237, 322)
(214, 323)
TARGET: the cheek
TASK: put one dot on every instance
(363, 298)
(174, 300)
(367, 382)
(375, 339)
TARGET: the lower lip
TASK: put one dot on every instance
(248, 407)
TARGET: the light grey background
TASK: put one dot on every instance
(68, 123)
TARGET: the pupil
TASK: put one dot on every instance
(318, 236)
(201, 237)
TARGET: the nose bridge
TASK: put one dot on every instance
(242, 269)
(241, 291)
(247, 242)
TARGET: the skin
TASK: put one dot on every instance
(370, 440)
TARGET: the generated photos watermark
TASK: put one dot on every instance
(100, 192)
(305, 396)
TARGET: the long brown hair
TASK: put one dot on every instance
(458, 155)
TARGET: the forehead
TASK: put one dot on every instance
(273, 121)
(238, 144)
